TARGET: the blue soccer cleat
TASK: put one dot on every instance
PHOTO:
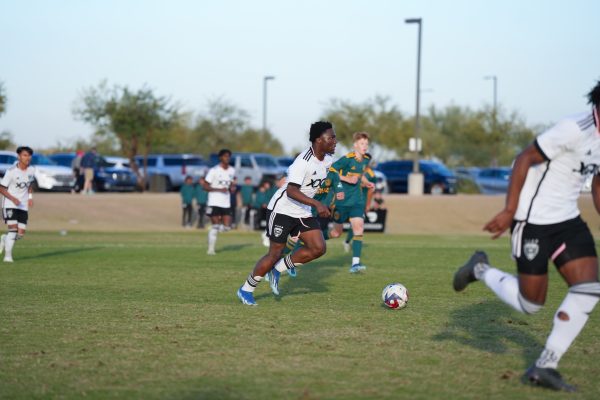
(292, 272)
(274, 281)
(355, 269)
(246, 298)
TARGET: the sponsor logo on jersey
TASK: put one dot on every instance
(315, 183)
(531, 248)
(9, 213)
(589, 169)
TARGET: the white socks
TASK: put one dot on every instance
(506, 286)
(212, 236)
(9, 243)
(569, 320)
(251, 283)
(355, 260)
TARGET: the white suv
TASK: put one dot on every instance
(51, 176)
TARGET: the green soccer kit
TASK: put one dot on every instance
(353, 203)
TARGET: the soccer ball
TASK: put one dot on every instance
(395, 296)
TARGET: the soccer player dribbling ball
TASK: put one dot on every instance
(16, 187)
(541, 210)
(289, 213)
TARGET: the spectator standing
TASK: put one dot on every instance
(261, 201)
(187, 192)
(88, 164)
(76, 167)
(247, 196)
(201, 196)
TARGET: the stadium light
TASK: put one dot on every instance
(416, 180)
(265, 80)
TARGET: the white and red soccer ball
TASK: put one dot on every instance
(395, 296)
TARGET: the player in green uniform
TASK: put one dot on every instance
(351, 168)
(367, 195)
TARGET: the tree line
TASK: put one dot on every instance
(138, 122)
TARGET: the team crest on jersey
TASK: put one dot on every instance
(278, 230)
(531, 248)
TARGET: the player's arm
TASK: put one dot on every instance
(293, 192)
(4, 189)
(596, 192)
(206, 184)
(366, 183)
(341, 165)
(530, 156)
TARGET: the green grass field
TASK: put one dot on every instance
(150, 316)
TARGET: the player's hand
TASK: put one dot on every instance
(323, 211)
(351, 179)
(30, 203)
(223, 190)
(500, 223)
(16, 202)
(370, 185)
(339, 196)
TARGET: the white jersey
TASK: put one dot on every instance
(219, 178)
(551, 189)
(307, 172)
(18, 181)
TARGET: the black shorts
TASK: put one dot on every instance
(13, 215)
(279, 226)
(218, 211)
(324, 223)
(533, 245)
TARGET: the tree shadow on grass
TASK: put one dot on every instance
(311, 278)
(491, 327)
(60, 253)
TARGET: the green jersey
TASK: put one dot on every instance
(187, 193)
(247, 192)
(200, 194)
(348, 165)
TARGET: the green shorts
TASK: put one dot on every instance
(342, 214)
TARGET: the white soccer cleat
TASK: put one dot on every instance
(8, 259)
(2, 241)
(211, 252)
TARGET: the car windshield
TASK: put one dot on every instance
(440, 169)
(265, 161)
(40, 159)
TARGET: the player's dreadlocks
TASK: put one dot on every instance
(594, 95)
(317, 129)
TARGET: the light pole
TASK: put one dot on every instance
(495, 138)
(415, 180)
(265, 80)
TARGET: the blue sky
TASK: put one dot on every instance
(546, 55)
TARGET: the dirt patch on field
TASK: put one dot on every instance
(151, 212)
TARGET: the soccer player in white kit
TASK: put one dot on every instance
(289, 213)
(541, 206)
(16, 187)
(219, 183)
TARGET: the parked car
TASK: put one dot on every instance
(107, 177)
(469, 173)
(117, 162)
(438, 178)
(172, 169)
(258, 166)
(381, 184)
(285, 162)
(493, 180)
(51, 176)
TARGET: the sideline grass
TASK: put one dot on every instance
(150, 316)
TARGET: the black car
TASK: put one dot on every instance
(106, 177)
(438, 178)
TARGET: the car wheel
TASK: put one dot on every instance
(437, 189)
